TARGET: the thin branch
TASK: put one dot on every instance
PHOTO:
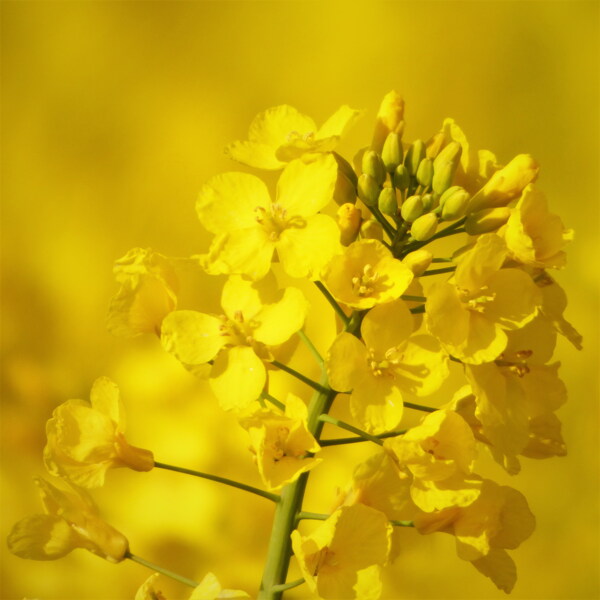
(355, 440)
(311, 347)
(348, 427)
(273, 400)
(420, 407)
(303, 378)
(171, 574)
(338, 309)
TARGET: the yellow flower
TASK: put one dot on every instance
(70, 521)
(366, 274)
(250, 227)
(239, 341)
(469, 315)
(147, 293)
(499, 519)
(281, 134)
(351, 540)
(534, 236)
(208, 589)
(282, 443)
(390, 119)
(390, 363)
(85, 439)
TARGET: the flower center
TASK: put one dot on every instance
(295, 136)
(278, 445)
(275, 220)
(323, 558)
(238, 330)
(364, 283)
(518, 367)
(475, 301)
(385, 367)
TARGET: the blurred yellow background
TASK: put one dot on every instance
(115, 113)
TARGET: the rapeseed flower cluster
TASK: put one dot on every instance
(372, 234)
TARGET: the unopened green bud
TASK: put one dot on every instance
(430, 202)
(424, 227)
(443, 174)
(344, 191)
(371, 230)
(418, 261)
(486, 220)
(401, 177)
(392, 152)
(373, 165)
(412, 208)
(387, 202)
(450, 153)
(425, 172)
(345, 167)
(414, 156)
(368, 190)
(454, 202)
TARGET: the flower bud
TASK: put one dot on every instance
(430, 202)
(368, 190)
(486, 220)
(454, 202)
(390, 118)
(412, 208)
(373, 165)
(450, 153)
(425, 172)
(344, 191)
(392, 152)
(371, 230)
(349, 220)
(414, 156)
(401, 177)
(424, 227)
(387, 202)
(443, 174)
(418, 261)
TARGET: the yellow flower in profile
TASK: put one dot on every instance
(239, 341)
(534, 236)
(70, 521)
(471, 313)
(281, 134)
(85, 439)
(282, 443)
(499, 519)
(391, 362)
(366, 274)
(208, 589)
(390, 119)
(351, 540)
(440, 454)
(250, 227)
(147, 293)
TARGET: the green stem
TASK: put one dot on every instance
(282, 587)
(348, 427)
(438, 271)
(413, 298)
(354, 440)
(313, 384)
(304, 516)
(417, 309)
(273, 400)
(166, 572)
(390, 231)
(420, 407)
(336, 307)
(402, 523)
(311, 347)
(230, 482)
(442, 260)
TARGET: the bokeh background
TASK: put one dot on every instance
(115, 113)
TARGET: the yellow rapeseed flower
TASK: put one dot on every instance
(391, 362)
(239, 341)
(351, 540)
(281, 134)
(249, 227)
(70, 521)
(208, 589)
(282, 443)
(85, 439)
(366, 274)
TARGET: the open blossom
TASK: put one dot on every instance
(71, 520)
(282, 443)
(351, 540)
(281, 134)
(471, 313)
(391, 362)
(147, 293)
(237, 342)
(366, 274)
(85, 439)
(208, 589)
(250, 227)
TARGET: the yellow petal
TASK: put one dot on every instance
(227, 202)
(339, 122)
(105, 398)
(210, 589)
(479, 263)
(499, 567)
(237, 378)
(194, 338)
(376, 402)
(347, 356)
(42, 537)
(278, 322)
(254, 154)
(386, 326)
(447, 317)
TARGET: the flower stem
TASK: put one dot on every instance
(282, 587)
(231, 482)
(147, 563)
(438, 271)
(348, 427)
(313, 384)
(354, 440)
(417, 309)
(402, 523)
(304, 516)
(338, 309)
(311, 347)
(273, 400)
(413, 298)
(391, 232)
(420, 407)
